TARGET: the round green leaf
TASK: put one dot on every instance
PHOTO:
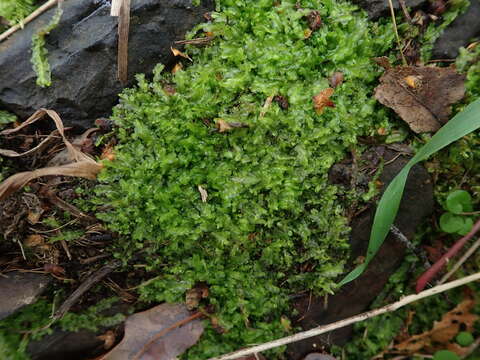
(464, 338)
(459, 201)
(445, 355)
(466, 227)
(451, 223)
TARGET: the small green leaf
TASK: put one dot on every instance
(464, 338)
(466, 226)
(445, 355)
(451, 223)
(459, 201)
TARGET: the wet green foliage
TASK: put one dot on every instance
(16, 10)
(39, 59)
(32, 323)
(271, 225)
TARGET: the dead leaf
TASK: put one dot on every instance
(54, 269)
(203, 193)
(443, 333)
(194, 295)
(177, 68)
(34, 240)
(224, 126)
(281, 101)
(421, 95)
(322, 99)
(177, 52)
(336, 79)
(82, 165)
(161, 333)
(314, 20)
(108, 339)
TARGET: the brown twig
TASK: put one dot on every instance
(394, 21)
(84, 287)
(354, 319)
(198, 41)
(49, 4)
(123, 29)
(435, 268)
(142, 351)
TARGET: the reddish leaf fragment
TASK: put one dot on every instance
(314, 20)
(421, 95)
(336, 79)
(161, 333)
(322, 100)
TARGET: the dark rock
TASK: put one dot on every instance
(378, 8)
(83, 56)
(18, 289)
(459, 33)
(355, 297)
(65, 345)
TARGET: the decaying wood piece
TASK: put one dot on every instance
(123, 29)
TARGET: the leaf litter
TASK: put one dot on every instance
(161, 333)
(421, 95)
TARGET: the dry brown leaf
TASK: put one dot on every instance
(177, 52)
(84, 169)
(224, 126)
(108, 339)
(34, 240)
(194, 295)
(443, 333)
(421, 95)
(177, 68)
(83, 165)
(322, 100)
(161, 333)
(203, 193)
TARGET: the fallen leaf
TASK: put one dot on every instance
(443, 333)
(224, 126)
(177, 52)
(54, 269)
(421, 95)
(336, 79)
(108, 339)
(314, 20)
(203, 193)
(177, 68)
(161, 333)
(82, 165)
(322, 99)
(34, 240)
(194, 295)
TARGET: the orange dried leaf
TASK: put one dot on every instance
(322, 100)
(177, 68)
(177, 52)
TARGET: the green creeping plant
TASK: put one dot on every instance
(455, 220)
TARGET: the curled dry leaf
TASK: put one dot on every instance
(203, 193)
(314, 20)
(82, 165)
(224, 126)
(177, 52)
(177, 68)
(161, 333)
(421, 95)
(443, 333)
(322, 100)
(336, 79)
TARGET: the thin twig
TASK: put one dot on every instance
(49, 4)
(392, 11)
(84, 287)
(460, 262)
(354, 319)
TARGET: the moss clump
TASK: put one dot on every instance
(33, 322)
(15, 11)
(272, 224)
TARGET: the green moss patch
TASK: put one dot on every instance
(272, 225)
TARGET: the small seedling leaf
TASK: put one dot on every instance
(459, 201)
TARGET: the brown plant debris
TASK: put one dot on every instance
(322, 100)
(443, 333)
(421, 95)
(162, 333)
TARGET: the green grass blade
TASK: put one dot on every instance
(460, 125)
